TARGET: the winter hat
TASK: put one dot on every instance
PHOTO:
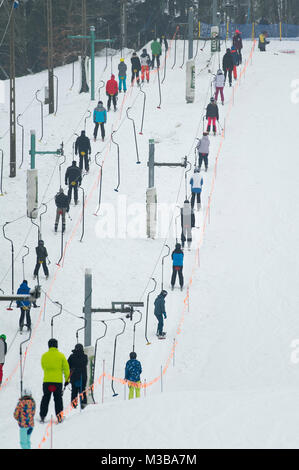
(53, 343)
(3, 337)
(178, 246)
(74, 162)
(212, 99)
(227, 50)
(100, 102)
(26, 392)
(40, 242)
(78, 347)
(122, 59)
(133, 355)
(164, 293)
(219, 72)
(25, 282)
(205, 133)
(134, 53)
(112, 77)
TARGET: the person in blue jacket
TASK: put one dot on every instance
(160, 312)
(177, 265)
(196, 186)
(132, 374)
(99, 118)
(24, 305)
(236, 62)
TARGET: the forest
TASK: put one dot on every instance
(144, 20)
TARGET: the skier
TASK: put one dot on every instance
(177, 265)
(3, 351)
(156, 52)
(82, 146)
(203, 150)
(163, 39)
(187, 223)
(42, 255)
(78, 361)
(136, 67)
(238, 44)
(62, 206)
(160, 312)
(122, 75)
(196, 187)
(112, 92)
(73, 179)
(235, 57)
(263, 41)
(24, 414)
(212, 115)
(99, 118)
(228, 65)
(219, 82)
(54, 365)
(24, 306)
(132, 375)
(145, 61)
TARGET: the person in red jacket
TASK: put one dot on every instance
(112, 92)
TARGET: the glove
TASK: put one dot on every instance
(29, 431)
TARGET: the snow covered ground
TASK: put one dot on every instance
(233, 380)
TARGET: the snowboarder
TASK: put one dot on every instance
(54, 365)
(145, 61)
(160, 312)
(238, 44)
(99, 118)
(136, 67)
(187, 223)
(219, 82)
(212, 115)
(177, 265)
(235, 57)
(112, 92)
(24, 414)
(3, 351)
(78, 361)
(62, 206)
(132, 375)
(42, 255)
(228, 66)
(122, 75)
(203, 150)
(73, 179)
(82, 145)
(156, 52)
(196, 187)
(24, 306)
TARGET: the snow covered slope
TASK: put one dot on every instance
(231, 382)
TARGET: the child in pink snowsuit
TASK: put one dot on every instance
(219, 81)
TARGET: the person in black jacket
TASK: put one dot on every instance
(82, 146)
(42, 255)
(73, 179)
(212, 115)
(78, 361)
(228, 65)
(160, 312)
(136, 67)
(63, 206)
(187, 223)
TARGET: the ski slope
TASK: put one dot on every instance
(232, 382)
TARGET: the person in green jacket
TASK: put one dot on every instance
(156, 52)
(55, 366)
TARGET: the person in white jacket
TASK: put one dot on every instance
(203, 150)
(219, 82)
(196, 187)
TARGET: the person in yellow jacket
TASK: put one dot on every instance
(263, 41)
(55, 366)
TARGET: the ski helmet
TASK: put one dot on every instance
(3, 337)
(78, 347)
(164, 293)
(26, 392)
(212, 99)
(122, 59)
